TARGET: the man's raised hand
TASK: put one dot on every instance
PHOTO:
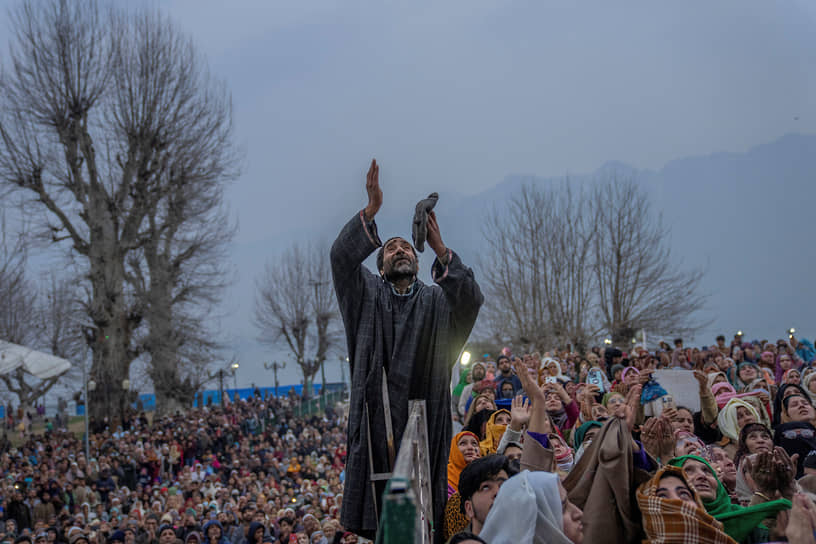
(435, 237)
(375, 196)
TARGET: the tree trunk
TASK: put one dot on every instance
(169, 401)
(112, 353)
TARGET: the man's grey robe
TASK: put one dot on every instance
(417, 338)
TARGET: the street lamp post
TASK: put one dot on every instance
(343, 371)
(90, 386)
(125, 401)
(234, 367)
(275, 366)
(221, 386)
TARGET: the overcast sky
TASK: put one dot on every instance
(456, 95)
(453, 96)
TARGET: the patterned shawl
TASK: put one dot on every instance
(672, 521)
(739, 521)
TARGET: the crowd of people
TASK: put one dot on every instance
(560, 447)
(249, 472)
(590, 447)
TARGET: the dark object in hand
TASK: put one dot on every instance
(419, 228)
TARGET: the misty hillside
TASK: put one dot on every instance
(747, 218)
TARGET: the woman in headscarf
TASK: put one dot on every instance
(563, 454)
(785, 362)
(732, 418)
(673, 512)
(753, 438)
(583, 436)
(584, 433)
(740, 523)
(483, 401)
(804, 349)
(494, 430)
(506, 389)
(791, 376)
(746, 373)
(561, 408)
(809, 385)
(615, 403)
(725, 467)
(784, 392)
(723, 392)
(797, 435)
(551, 369)
(716, 377)
(687, 443)
(464, 380)
(533, 507)
(464, 449)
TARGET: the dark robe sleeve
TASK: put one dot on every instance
(356, 241)
(462, 292)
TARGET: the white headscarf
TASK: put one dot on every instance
(727, 419)
(527, 509)
(806, 385)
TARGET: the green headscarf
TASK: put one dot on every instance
(738, 521)
(578, 439)
(463, 373)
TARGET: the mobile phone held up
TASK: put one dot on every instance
(596, 378)
(668, 402)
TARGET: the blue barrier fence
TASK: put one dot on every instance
(213, 397)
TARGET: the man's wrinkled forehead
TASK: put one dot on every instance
(397, 241)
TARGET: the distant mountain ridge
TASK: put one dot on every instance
(745, 217)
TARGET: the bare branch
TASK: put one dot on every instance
(295, 306)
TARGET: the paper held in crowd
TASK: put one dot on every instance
(681, 385)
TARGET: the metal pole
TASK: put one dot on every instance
(87, 406)
(323, 378)
(221, 386)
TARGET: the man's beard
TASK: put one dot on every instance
(401, 272)
(394, 276)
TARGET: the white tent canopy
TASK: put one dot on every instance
(41, 365)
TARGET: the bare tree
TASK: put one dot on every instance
(538, 278)
(37, 317)
(639, 286)
(102, 114)
(563, 265)
(178, 273)
(295, 307)
(181, 276)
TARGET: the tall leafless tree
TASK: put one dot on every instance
(537, 270)
(639, 285)
(564, 264)
(180, 275)
(103, 112)
(295, 307)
